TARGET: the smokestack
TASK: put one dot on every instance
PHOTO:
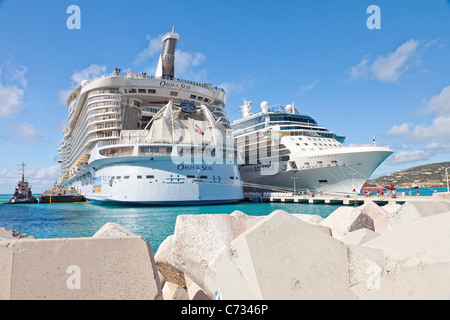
(166, 68)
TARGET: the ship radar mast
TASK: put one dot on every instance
(23, 170)
(246, 109)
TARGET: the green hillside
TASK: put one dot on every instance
(429, 175)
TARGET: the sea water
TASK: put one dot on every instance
(74, 220)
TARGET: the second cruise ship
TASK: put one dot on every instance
(150, 140)
(285, 150)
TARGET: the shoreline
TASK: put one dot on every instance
(375, 252)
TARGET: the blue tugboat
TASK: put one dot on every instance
(22, 194)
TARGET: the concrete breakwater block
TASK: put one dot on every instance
(359, 236)
(78, 268)
(166, 261)
(314, 220)
(196, 241)
(380, 217)
(112, 230)
(283, 257)
(347, 219)
(6, 234)
(417, 259)
(441, 196)
(412, 211)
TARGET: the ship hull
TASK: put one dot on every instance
(353, 166)
(61, 199)
(159, 181)
(22, 201)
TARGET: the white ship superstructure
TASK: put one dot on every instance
(134, 138)
(286, 150)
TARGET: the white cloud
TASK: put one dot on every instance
(12, 92)
(185, 60)
(425, 140)
(39, 179)
(27, 132)
(18, 76)
(403, 157)
(24, 132)
(49, 174)
(389, 67)
(91, 72)
(309, 87)
(154, 46)
(11, 100)
(398, 130)
(440, 103)
(187, 63)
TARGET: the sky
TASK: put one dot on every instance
(358, 71)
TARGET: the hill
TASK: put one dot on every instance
(429, 175)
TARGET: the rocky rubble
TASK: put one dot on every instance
(366, 252)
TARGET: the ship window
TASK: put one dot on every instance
(200, 98)
(152, 91)
(231, 177)
(193, 96)
(154, 149)
(126, 177)
(206, 100)
(174, 93)
(118, 177)
(190, 177)
(203, 177)
(139, 177)
(132, 90)
(142, 91)
(150, 177)
(322, 182)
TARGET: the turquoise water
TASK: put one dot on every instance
(73, 220)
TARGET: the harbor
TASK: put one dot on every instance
(367, 252)
(346, 200)
(277, 152)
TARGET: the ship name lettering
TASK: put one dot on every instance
(203, 167)
(174, 85)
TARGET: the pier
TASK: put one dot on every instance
(351, 200)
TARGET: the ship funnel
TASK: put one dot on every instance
(166, 63)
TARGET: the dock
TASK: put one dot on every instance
(352, 200)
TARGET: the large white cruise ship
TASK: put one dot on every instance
(286, 150)
(150, 140)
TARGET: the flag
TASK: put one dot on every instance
(198, 130)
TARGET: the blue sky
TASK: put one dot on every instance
(392, 82)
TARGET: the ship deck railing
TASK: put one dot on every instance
(142, 76)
